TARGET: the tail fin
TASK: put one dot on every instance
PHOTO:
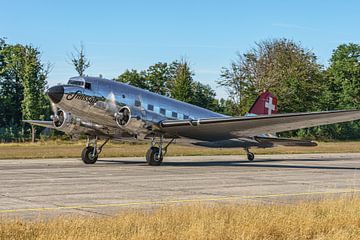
(265, 104)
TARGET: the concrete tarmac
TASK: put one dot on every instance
(51, 187)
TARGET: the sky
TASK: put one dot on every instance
(120, 35)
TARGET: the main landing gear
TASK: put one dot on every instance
(91, 152)
(156, 152)
(250, 155)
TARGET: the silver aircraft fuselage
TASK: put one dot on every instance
(93, 102)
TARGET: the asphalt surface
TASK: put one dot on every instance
(52, 187)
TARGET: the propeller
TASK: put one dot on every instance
(123, 116)
(58, 117)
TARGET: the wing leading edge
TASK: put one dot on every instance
(213, 129)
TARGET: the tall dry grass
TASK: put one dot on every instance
(327, 219)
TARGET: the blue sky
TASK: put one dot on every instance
(121, 35)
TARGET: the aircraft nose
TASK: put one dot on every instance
(56, 93)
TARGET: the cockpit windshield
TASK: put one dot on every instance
(79, 83)
(76, 82)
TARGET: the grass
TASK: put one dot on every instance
(326, 219)
(63, 149)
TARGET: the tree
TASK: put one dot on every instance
(135, 78)
(35, 104)
(11, 90)
(203, 96)
(22, 86)
(280, 66)
(344, 76)
(157, 78)
(79, 60)
(174, 80)
(343, 89)
(182, 82)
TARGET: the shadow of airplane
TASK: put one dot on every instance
(244, 164)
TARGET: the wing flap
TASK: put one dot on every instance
(212, 129)
(285, 142)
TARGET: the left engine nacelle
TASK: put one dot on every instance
(65, 122)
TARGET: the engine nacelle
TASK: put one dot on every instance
(131, 120)
(65, 122)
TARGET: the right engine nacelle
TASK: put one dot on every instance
(131, 120)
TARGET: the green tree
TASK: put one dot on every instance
(174, 80)
(280, 66)
(135, 78)
(157, 78)
(79, 60)
(204, 96)
(22, 85)
(343, 89)
(344, 76)
(182, 82)
(11, 90)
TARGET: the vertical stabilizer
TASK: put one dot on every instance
(265, 104)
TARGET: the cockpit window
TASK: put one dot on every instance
(88, 85)
(80, 83)
(76, 82)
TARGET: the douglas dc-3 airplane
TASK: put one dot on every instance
(106, 109)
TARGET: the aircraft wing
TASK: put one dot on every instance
(47, 124)
(213, 129)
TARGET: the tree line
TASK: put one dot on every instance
(22, 89)
(281, 66)
(174, 80)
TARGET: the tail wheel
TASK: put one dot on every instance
(153, 157)
(88, 155)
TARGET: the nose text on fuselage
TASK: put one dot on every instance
(80, 96)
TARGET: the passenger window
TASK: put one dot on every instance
(88, 85)
(137, 103)
(162, 111)
(150, 107)
(186, 116)
(174, 114)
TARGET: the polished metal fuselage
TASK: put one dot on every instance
(96, 106)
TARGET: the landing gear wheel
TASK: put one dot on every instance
(250, 156)
(153, 157)
(87, 155)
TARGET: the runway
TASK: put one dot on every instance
(53, 187)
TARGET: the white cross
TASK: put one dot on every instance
(270, 106)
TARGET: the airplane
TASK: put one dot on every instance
(105, 109)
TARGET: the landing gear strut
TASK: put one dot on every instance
(250, 155)
(91, 152)
(156, 152)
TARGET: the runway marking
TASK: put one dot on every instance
(176, 201)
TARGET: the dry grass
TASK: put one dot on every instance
(61, 149)
(328, 219)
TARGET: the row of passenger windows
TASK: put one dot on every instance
(150, 107)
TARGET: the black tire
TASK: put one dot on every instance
(86, 155)
(152, 157)
(250, 156)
